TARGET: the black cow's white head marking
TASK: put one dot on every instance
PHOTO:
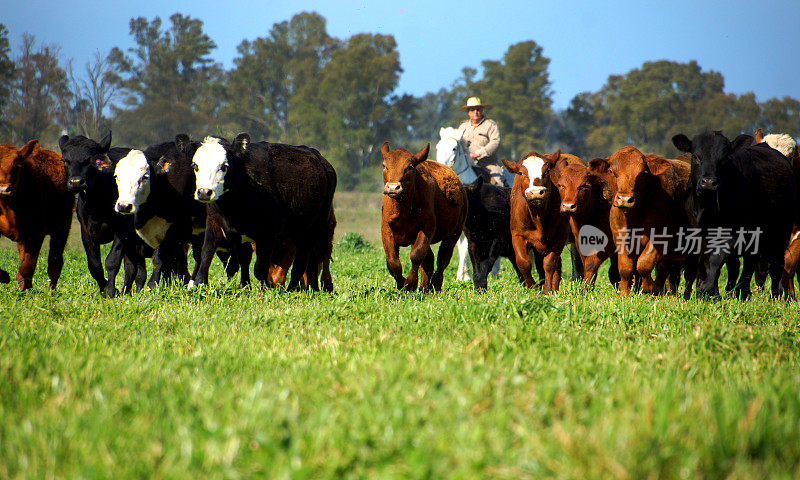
(210, 163)
(132, 175)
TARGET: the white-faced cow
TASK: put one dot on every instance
(156, 186)
(267, 193)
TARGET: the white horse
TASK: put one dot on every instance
(452, 152)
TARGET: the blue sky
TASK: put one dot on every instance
(755, 49)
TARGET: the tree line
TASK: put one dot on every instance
(299, 85)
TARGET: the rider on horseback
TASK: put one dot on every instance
(483, 137)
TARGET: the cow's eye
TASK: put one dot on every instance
(223, 168)
(145, 176)
(195, 167)
(560, 187)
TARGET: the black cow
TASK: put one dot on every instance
(737, 186)
(156, 186)
(488, 231)
(89, 167)
(267, 193)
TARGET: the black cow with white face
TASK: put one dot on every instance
(266, 193)
(156, 187)
(738, 186)
(89, 166)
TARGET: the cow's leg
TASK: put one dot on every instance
(626, 264)
(732, 263)
(742, 289)
(462, 274)
(613, 270)
(113, 262)
(129, 274)
(577, 263)
(590, 266)
(299, 267)
(790, 261)
(478, 275)
(690, 266)
(244, 258)
(29, 249)
(55, 256)
(426, 272)
(93, 262)
(538, 262)
(206, 257)
(4, 276)
(419, 250)
(266, 247)
(644, 267)
(523, 259)
(311, 276)
(778, 285)
(442, 261)
(552, 272)
(392, 252)
(709, 287)
(760, 273)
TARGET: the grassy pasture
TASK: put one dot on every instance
(224, 382)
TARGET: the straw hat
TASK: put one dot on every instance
(473, 102)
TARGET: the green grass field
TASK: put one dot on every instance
(224, 382)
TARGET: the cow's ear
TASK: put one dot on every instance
(551, 160)
(105, 143)
(758, 136)
(599, 166)
(512, 167)
(385, 148)
(163, 166)
(103, 164)
(422, 155)
(742, 141)
(240, 143)
(657, 166)
(28, 148)
(682, 143)
(62, 142)
(182, 141)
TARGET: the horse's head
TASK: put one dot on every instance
(449, 148)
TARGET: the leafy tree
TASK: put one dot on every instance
(348, 109)
(270, 71)
(518, 88)
(166, 82)
(781, 116)
(39, 93)
(94, 92)
(6, 77)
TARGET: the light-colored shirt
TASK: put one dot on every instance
(484, 140)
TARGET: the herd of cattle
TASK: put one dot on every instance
(713, 192)
(215, 196)
(233, 199)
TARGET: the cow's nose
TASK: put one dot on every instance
(568, 207)
(624, 201)
(708, 183)
(204, 194)
(536, 193)
(124, 207)
(392, 189)
(76, 183)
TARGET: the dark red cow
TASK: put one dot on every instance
(536, 220)
(34, 202)
(648, 212)
(423, 203)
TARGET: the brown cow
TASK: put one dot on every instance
(34, 202)
(648, 212)
(789, 148)
(423, 203)
(536, 219)
(583, 202)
